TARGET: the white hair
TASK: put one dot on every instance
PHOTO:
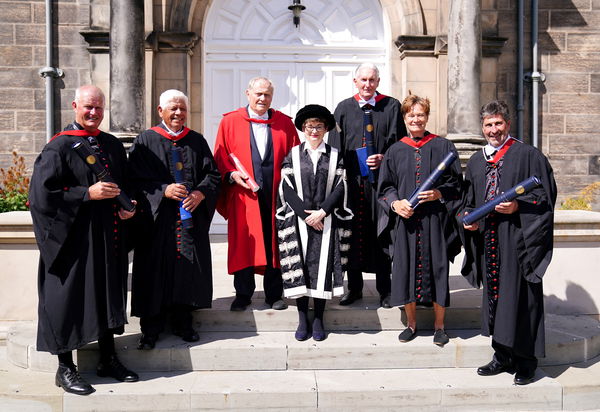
(171, 95)
(366, 65)
(89, 88)
(257, 79)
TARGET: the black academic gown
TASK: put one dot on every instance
(82, 277)
(422, 245)
(313, 261)
(523, 241)
(388, 129)
(172, 264)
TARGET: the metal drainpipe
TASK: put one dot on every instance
(520, 92)
(49, 73)
(536, 76)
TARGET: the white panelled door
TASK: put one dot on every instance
(311, 64)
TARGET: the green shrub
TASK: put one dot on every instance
(584, 200)
(14, 185)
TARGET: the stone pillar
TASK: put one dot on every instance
(464, 66)
(127, 67)
(171, 58)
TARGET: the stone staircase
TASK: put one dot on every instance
(250, 361)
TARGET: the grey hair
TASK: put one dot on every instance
(170, 95)
(494, 108)
(257, 79)
(366, 65)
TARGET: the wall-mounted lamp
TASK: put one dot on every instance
(296, 8)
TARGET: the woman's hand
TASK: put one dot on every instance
(315, 218)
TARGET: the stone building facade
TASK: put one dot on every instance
(209, 49)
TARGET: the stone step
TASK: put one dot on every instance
(574, 387)
(569, 339)
(363, 315)
(290, 390)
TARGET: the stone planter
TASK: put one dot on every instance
(19, 257)
(571, 283)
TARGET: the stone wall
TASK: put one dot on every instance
(569, 57)
(23, 53)
(569, 48)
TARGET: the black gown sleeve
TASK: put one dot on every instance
(55, 196)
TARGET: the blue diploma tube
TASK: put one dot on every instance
(177, 165)
(520, 189)
(89, 157)
(369, 139)
(432, 179)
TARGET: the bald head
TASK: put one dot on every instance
(89, 107)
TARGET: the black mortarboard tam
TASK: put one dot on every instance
(314, 111)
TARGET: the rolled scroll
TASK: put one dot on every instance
(240, 168)
(433, 178)
(177, 167)
(520, 189)
(91, 159)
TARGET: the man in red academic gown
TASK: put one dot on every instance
(260, 138)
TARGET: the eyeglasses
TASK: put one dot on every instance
(418, 115)
(314, 128)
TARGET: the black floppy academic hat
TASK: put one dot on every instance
(314, 110)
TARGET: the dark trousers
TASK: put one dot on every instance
(181, 320)
(106, 345)
(523, 364)
(383, 273)
(243, 281)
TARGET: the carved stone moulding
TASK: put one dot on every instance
(172, 42)
(435, 45)
(98, 40)
(165, 42)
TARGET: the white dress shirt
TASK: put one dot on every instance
(171, 132)
(371, 101)
(489, 151)
(260, 130)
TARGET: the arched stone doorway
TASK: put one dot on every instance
(309, 64)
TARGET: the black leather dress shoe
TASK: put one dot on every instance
(71, 381)
(279, 305)
(240, 304)
(115, 369)
(385, 302)
(524, 379)
(188, 335)
(147, 342)
(493, 368)
(350, 297)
